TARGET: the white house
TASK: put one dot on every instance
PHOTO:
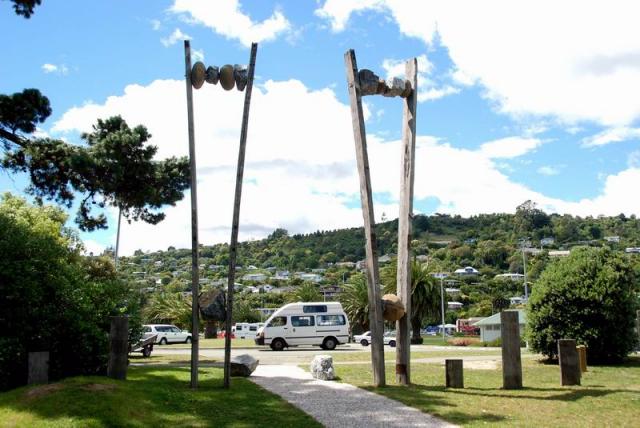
(490, 327)
(559, 253)
(282, 275)
(466, 271)
(254, 277)
(632, 250)
(547, 241)
(452, 290)
(313, 277)
(511, 276)
(614, 239)
(454, 305)
(517, 300)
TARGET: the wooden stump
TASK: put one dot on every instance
(38, 367)
(569, 362)
(582, 356)
(454, 374)
(511, 360)
(118, 347)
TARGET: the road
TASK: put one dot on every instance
(304, 355)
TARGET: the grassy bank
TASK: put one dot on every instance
(609, 396)
(150, 397)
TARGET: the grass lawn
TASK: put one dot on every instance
(391, 356)
(212, 343)
(609, 396)
(150, 397)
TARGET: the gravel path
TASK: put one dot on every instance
(336, 404)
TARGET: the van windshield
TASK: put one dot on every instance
(277, 322)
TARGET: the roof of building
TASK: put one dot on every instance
(495, 319)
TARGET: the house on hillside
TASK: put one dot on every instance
(312, 277)
(490, 326)
(454, 305)
(329, 292)
(559, 253)
(613, 239)
(466, 271)
(547, 241)
(511, 276)
(254, 277)
(282, 275)
(632, 250)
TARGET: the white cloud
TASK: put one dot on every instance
(633, 160)
(427, 88)
(612, 135)
(225, 18)
(61, 69)
(93, 247)
(197, 54)
(174, 38)
(548, 170)
(509, 147)
(309, 184)
(573, 60)
(155, 24)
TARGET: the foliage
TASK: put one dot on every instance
(170, 308)
(25, 7)
(355, 302)
(115, 168)
(591, 297)
(425, 292)
(51, 298)
(307, 292)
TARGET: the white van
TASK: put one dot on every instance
(244, 330)
(321, 324)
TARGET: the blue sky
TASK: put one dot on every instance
(532, 100)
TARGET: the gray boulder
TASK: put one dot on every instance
(322, 367)
(213, 306)
(243, 365)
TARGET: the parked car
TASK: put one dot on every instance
(389, 338)
(166, 333)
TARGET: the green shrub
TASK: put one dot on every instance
(51, 298)
(591, 297)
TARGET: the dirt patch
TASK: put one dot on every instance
(98, 387)
(42, 390)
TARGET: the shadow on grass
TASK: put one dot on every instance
(152, 397)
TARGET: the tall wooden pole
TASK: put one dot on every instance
(195, 265)
(233, 247)
(407, 168)
(376, 323)
(115, 257)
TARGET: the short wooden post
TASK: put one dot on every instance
(405, 216)
(376, 323)
(569, 362)
(511, 360)
(38, 367)
(118, 347)
(454, 374)
(582, 356)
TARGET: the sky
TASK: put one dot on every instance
(532, 100)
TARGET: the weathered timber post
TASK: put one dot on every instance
(38, 367)
(376, 323)
(118, 347)
(569, 362)
(454, 374)
(405, 216)
(582, 356)
(233, 247)
(195, 264)
(511, 360)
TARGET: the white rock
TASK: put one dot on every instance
(322, 367)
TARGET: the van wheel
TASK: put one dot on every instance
(277, 345)
(364, 342)
(163, 341)
(329, 343)
(392, 343)
(188, 339)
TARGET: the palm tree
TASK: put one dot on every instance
(171, 308)
(425, 294)
(307, 292)
(355, 301)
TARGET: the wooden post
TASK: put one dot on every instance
(118, 347)
(115, 256)
(195, 264)
(38, 367)
(405, 216)
(233, 247)
(511, 360)
(376, 323)
(582, 357)
(454, 374)
(569, 362)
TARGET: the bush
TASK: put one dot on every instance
(591, 297)
(51, 298)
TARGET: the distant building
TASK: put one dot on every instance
(559, 253)
(547, 241)
(466, 271)
(330, 292)
(517, 300)
(282, 275)
(614, 239)
(346, 264)
(631, 250)
(454, 305)
(490, 327)
(312, 277)
(511, 276)
(470, 241)
(452, 290)
(254, 277)
(440, 275)
(384, 259)
(422, 258)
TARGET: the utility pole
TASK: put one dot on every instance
(524, 266)
(442, 305)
